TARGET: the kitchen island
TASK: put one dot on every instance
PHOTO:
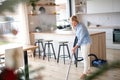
(98, 45)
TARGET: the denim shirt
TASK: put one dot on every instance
(82, 35)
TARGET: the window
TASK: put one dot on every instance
(64, 11)
(7, 24)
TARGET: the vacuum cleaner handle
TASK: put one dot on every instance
(69, 68)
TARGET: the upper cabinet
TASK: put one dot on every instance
(103, 6)
(116, 5)
(99, 6)
(79, 7)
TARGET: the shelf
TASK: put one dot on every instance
(79, 5)
(45, 14)
(53, 14)
(33, 14)
(80, 13)
(47, 5)
(4, 22)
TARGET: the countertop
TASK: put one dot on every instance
(53, 33)
(104, 27)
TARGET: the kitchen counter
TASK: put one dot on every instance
(98, 45)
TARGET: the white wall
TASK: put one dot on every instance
(44, 21)
(105, 19)
(23, 36)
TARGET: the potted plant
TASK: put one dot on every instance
(33, 4)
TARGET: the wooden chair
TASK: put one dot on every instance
(14, 58)
(2, 60)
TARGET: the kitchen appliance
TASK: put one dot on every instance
(42, 10)
(38, 29)
(116, 36)
(97, 62)
(64, 27)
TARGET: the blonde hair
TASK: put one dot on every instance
(74, 18)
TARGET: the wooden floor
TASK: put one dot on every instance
(51, 70)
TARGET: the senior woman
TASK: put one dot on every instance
(84, 41)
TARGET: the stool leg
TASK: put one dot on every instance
(53, 51)
(39, 49)
(44, 54)
(49, 54)
(34, 53)
(64, 53)
(58, 53)
(68, 52)
(42, 47)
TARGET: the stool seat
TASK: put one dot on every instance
(48, 40)
(63, 44)
(36, 40)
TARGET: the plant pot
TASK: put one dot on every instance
(33, 11)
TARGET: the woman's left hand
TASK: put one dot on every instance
(73, 50)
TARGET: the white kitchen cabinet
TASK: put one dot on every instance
(116, 5)
(99, 6)
(103, 6)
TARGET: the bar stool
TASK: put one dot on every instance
(63, 44)
(38, 42)
(49, 45)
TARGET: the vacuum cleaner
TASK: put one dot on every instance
(97, 62)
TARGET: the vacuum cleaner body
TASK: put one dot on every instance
(97, 62)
